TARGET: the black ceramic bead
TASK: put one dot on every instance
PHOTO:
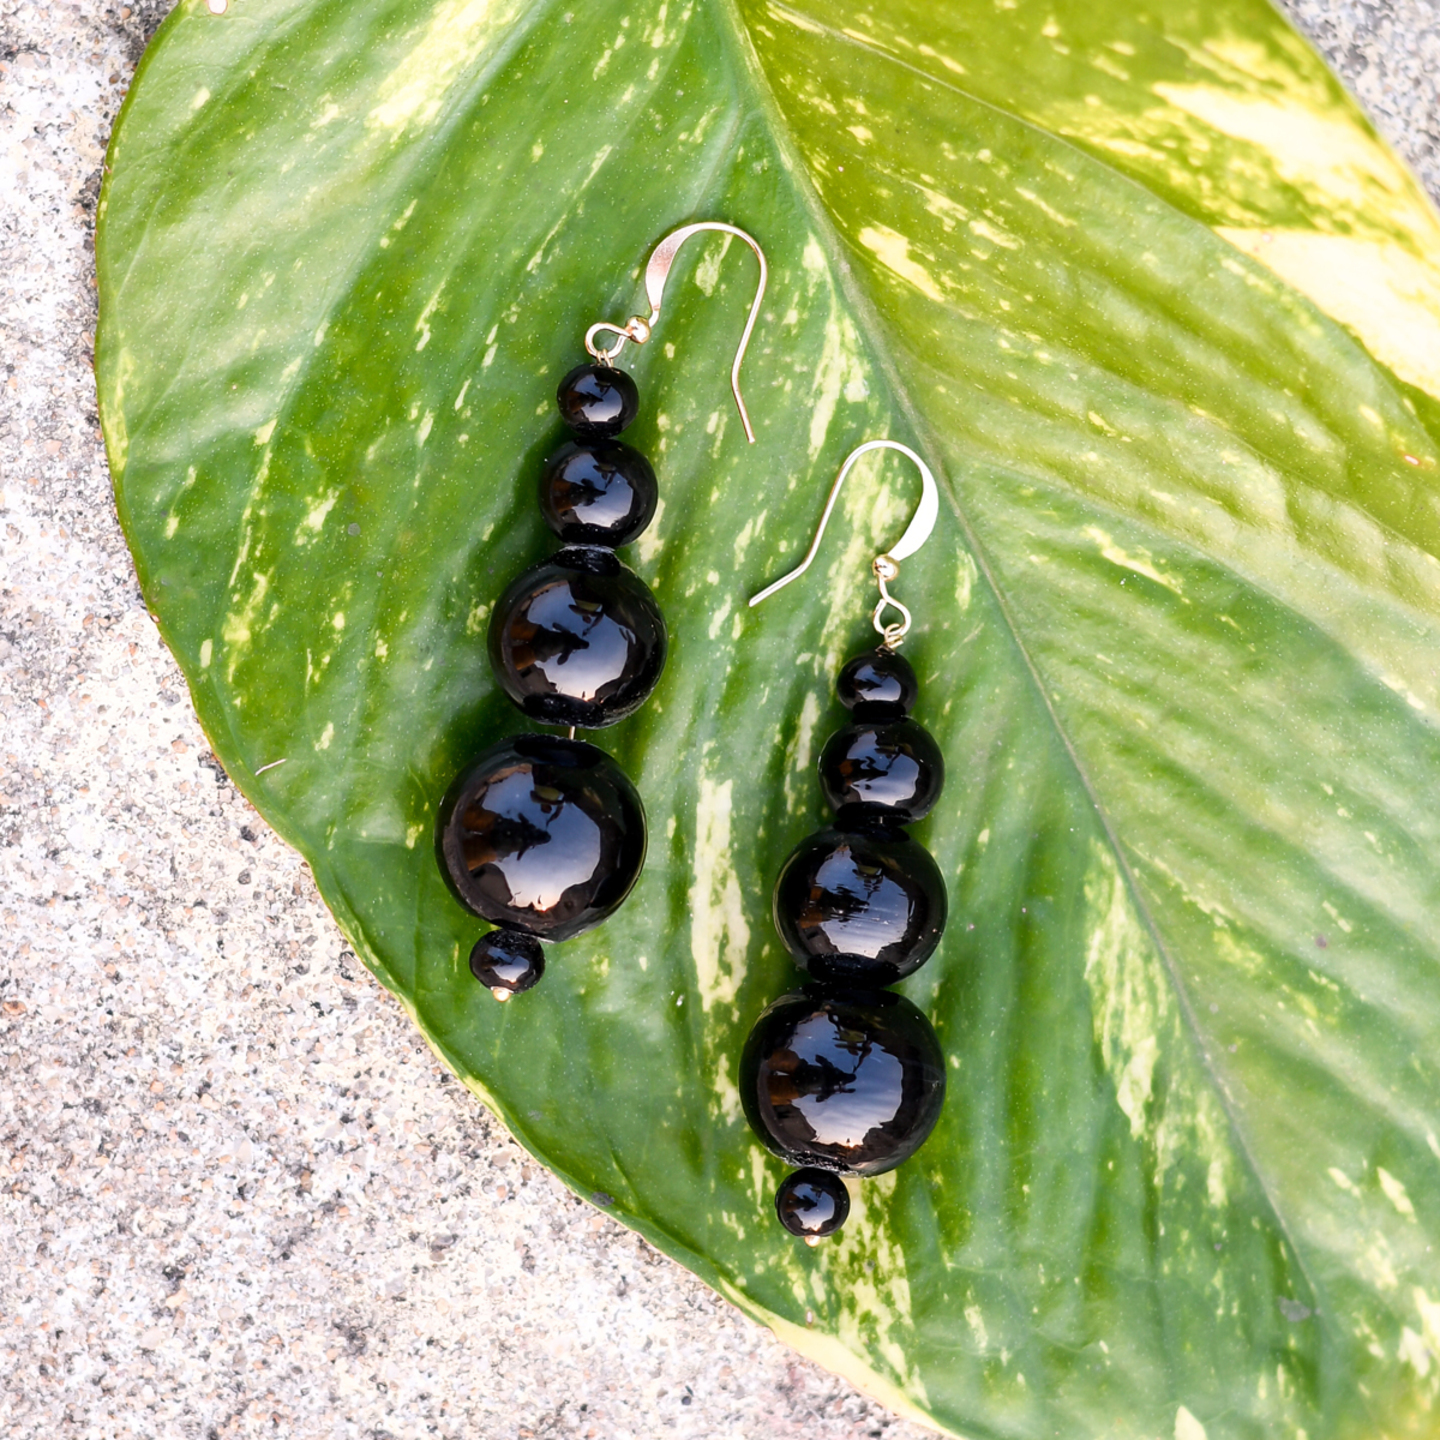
(543, 835)
(862, 905)
(507, 962)
(597, 492)
(890, 768)
(812, 1203)
(578, 640)
(842, 1080)
(878, 685)
(597, 401)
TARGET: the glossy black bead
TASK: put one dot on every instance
(507, 962)
(843, 1080)
(578, 640)
(889, 768)
(812, 1203)
(878, 685)
(862, 905)
(597, 401)
(543, 835)
(597, 492)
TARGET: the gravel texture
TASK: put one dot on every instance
(238, 1196)
(1388, 52)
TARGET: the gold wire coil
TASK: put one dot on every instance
(885, 569)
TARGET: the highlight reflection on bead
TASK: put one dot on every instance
(597, 492)
(578, 640)
(878, 685)
(890, 768)
(597, 401)
(812, 1204)
(843, 1080)
(542, 835)
(861, 905)
(507, 962)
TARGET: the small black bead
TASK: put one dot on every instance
(597, 492)
(543, 835)
(879, 685)
(890, 768)
(812, 1203)
(597, 401)
(578, 640)
(862, 905)
(507, 962)
(850, 1080)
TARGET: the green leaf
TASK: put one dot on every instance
(1178, 629)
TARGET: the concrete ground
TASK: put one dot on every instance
(238, 1196)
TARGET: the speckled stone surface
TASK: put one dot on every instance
(238, 1197)
(1388, 52)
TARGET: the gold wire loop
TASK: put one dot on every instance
(886, 565)
(657, 271)
(885, 569)
(635, 329)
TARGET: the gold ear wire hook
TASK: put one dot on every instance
(657, 271)
(885, 566)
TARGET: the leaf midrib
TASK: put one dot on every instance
(843, 270)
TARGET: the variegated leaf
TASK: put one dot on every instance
(1164, 314)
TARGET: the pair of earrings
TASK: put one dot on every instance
(544, 835)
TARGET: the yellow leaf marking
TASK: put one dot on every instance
(719, 932)
(1140, 562)
(1386, 294)
(893, 251)
(1187, 1427)
(1395, 1192)
(458, 31)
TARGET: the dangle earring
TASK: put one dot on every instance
(844, 1077)
(544, 835)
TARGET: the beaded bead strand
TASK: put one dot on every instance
(844, 1077)
(543, 835)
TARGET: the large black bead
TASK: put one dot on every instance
(543, 835)
(862, 905)
(597, 492)
(843, 1080)
(878, 685)
(597, 401)
(578, 640)
(812, 1203)
(889, 768)
(507, 962)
